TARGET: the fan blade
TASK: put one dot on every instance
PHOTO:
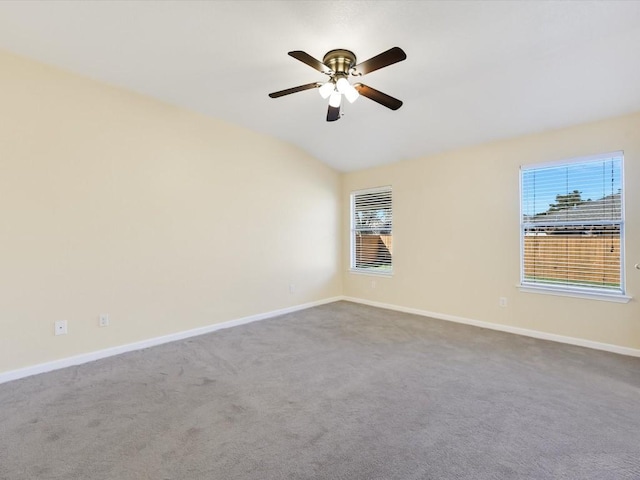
(377, 96)
(391, 56)
(304, 57)
(289, 91)
(333, 114)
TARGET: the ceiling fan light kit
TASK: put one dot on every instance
(339, 64)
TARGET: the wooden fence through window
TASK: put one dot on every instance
(373, 249)
(574, 258)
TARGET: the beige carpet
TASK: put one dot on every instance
(341, 391)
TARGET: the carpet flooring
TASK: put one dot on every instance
(341, 391)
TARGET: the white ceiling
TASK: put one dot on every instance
(475, 70)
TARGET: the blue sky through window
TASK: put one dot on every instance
(594, 179)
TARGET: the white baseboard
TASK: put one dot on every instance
(607, 347)
(109, 352)
(151, 342)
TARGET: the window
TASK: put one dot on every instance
(572, 226)
(371, 231)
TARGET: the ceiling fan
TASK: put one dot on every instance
(338, 65)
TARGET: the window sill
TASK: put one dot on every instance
(591, 295)
(371, 273)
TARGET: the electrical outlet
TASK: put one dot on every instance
(292, 288)
(104, 320)
(60, 327)
(502, 301)
(373, 284)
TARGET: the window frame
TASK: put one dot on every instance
(352, 232)
(574, 290)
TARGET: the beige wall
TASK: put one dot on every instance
(456, 235)
(167, 220)
(164, 219)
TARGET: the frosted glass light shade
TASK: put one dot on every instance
(344, 87)
(351, 94)
(326, 90)
(334, 99)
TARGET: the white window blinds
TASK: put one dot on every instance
(371, 230)
(572, 221)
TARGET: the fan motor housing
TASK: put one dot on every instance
(340, 61)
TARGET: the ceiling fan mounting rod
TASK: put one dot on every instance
(340, 61)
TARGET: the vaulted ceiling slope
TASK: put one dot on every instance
(476, 70)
